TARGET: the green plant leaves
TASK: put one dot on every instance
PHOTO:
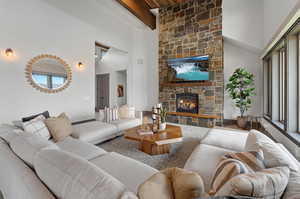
(240, 88)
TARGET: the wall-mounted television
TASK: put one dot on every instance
(189, 69)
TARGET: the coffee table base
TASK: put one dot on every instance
(154, 149)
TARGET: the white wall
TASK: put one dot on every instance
(243, 22)
(236, 56)
(275, 12)
(243, 43)
(67, 29)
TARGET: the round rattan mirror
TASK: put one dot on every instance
(48, 73)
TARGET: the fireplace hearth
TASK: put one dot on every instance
(187, 103)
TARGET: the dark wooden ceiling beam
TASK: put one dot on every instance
(141, 10)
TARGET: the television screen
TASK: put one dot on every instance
(189, 69)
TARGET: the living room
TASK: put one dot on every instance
(155, 85)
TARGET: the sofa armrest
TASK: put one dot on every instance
(139, 115)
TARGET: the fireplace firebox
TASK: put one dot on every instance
(187, 103)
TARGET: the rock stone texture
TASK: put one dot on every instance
(192, 28)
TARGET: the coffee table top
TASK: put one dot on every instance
(171, 134)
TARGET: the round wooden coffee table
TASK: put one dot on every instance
(158, 143)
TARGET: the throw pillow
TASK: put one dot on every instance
(37, 126)
(227, 169)
(274, 156)
(267, 184)
(253, 159)
(60, 127)
(70, 177)
(126, 112)
(172, 183)
(45, 114)
(293, 187)
(26, 146)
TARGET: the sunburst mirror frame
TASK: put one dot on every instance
(28, 73)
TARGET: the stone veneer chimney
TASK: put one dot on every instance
(192, 28)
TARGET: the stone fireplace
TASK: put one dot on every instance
(187, 103)
(192, 28)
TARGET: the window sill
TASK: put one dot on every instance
(293, 136)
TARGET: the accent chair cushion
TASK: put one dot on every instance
(26, 146)
(45, 114)
(60, 127)
(71, 177)
(172, 183)
(37, 126)
(268, 184)
(274, 156)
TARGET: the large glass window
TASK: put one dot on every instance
(282, 84)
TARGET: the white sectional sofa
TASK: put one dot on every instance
(19, 181)
(99, 131)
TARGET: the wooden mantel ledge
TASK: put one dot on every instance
(189, 84)
(195, 115)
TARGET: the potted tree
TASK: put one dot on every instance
(241, 88)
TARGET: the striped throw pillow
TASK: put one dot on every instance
(267, 184)
(227, 169)
(253, 159)
(37, 126)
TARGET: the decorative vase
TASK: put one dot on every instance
(242, 122)
(162, 126)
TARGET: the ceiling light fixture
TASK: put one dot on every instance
(9, 52)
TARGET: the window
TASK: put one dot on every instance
(282, 84)
(50, 81)
(268, 87)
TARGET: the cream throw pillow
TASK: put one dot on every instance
(266, 184)
(274, 156)
(37, 126)
(60, 127)
(126, 112)
(172, 183)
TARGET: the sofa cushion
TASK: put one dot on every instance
(172, 183)
(126, 170)
(229, 139)
(267, 183)
(80, 148)
(94, 132)
(204, 160)
(60, 127)
(227, 169)
(124, 124)
(293, 187)
(70, 177)
(274, 156)
(27, 146)
(18, 181)
(9, 132)
(37, 126)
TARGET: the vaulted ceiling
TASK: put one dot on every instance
(141, 9)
